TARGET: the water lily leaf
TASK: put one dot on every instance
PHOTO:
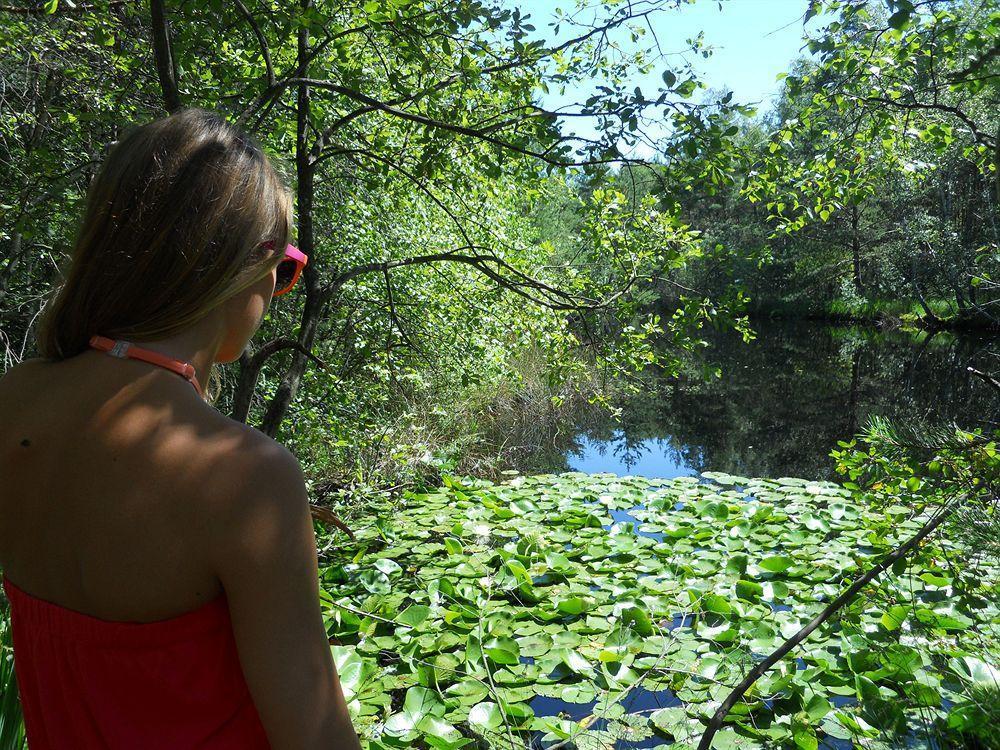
(818, 707)
(576, 662)
(434, 728)
(936, 580)
(976, 670)
(351, 669)
(419, 703)
(502, 650)
(749, 590)
(534, 645)
(893, 617)
(581, 693)
(776, 563)
(727, 739)
(573, 605)
(387, 566)
(375, 581)
(486, 715)
(737, 564)
(467, 692)
(670, 721)
(946, 619)
(559, 562)
(922, 694)
(717, 604)
(805, 737)
(638, 620)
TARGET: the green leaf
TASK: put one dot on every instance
(717, 604)
(687, 87)
(901, 18)
(805, 738)
(749, 590)
(387, 566)
(638, 620)
(502, 650)
(573, 605)
(671, 721)
(976, 670)
(413, 615)
(486, 715)
(893, 617)
(776, 563)
(818, 707)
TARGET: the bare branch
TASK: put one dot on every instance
(264, 49)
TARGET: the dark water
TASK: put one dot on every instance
(786, 398)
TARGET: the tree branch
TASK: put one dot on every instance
(39, 10)
(264, 49)
(163, 56)
(831, 609)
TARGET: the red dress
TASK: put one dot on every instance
(92, 684)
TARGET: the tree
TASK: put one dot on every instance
(434, 99)
(900, 102)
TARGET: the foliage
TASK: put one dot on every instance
(422, 160)
(480, 610)
(958, 471)
(875, 174)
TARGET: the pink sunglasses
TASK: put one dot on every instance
(289, 268)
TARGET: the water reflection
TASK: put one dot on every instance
(786, 398)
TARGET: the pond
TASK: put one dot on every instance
(526, 614)
(611, 590)
(786, 398)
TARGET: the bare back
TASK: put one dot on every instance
(107, 470)
(125, 497)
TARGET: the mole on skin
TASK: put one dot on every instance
(26, 442)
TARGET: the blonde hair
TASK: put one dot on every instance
(173, 225)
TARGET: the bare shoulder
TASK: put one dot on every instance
(20, 373)
(263, 552)
(244, 458)
(250, 477)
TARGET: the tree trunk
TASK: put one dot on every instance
(290, 381)
(13, 256)
(859, 286)
(245, 385)
(852, 404)
(928, 313)
(305, 173)
(164, 56)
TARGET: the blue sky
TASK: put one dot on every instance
(752, 40)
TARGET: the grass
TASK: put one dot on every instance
(524, 421)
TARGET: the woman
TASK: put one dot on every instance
(161, 557)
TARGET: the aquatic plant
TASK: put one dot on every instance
(584, 611)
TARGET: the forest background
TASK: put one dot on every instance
(519, 227)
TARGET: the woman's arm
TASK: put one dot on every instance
(264, 553)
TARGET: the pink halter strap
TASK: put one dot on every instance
(123, 349)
